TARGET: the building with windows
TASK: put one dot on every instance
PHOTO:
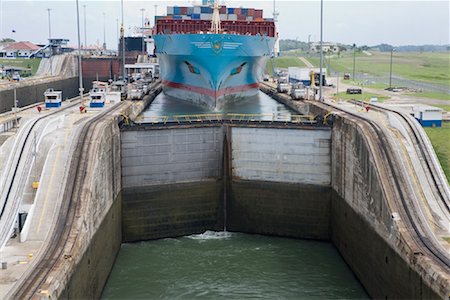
(327, 47)
(19, 49)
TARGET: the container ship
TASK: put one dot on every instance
(210, 54)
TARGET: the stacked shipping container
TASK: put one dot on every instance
(205, 13)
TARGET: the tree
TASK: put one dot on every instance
(7, 40)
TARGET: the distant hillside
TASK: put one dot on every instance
(288, 44)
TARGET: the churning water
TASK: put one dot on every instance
(224, 265)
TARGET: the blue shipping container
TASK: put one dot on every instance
(196, 16)
(206, 10)
(244, 11)
(176, 10)
(231, 10)
(177, 17)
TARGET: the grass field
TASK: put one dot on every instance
(444, 107)
(440, 139)
(432, 95)
(32, 63)
(364, 96)
(284, 62)
(431, 67)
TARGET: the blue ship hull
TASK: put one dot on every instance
(212, 69)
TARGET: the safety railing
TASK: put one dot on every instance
(228, 117)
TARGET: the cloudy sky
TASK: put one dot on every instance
(362, 22)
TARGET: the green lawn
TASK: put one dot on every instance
(32, 63)
(364, 96)
(284, 62)
(440, 139)
(432, 95)
(432, 67)
(443, 106)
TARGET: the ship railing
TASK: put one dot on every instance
(229, 117)
(232, 117)
(303, 119)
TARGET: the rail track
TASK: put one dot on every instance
(423, 240)
(6, 230)
(54, 248)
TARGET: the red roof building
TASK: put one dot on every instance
(20, 49)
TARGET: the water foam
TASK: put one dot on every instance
(211, 235)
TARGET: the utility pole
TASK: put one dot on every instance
(354, 61)
(142, 28)
(80, 71)
(122, 35)
(104, 31)
(85, 28)
(390, 69)
(321, 51)
(156, 10)
(15, 108)
(49, 41)
(117, 33)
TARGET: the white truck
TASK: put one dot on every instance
(283, 84)
(298, 91)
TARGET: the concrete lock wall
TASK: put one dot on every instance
(281, 155)
(31, 94)
(362, 227)
(98, 236)
(173, 180)
(151, 157)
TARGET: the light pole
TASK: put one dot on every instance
(156, 10)
(122, 36)
(321, 51)
(85, 28)
(49, 41)
(104, 31)
(80, 71)
(117, 33)
(49, 24)
(390, 69)
(142, 11)
(354, 60)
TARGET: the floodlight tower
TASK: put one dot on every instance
(276, 47)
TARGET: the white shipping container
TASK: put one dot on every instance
(223, 17)
(205, 16)
(186, 17)
(249, 18)
(170, 10)
(197, 10)
(232, 17)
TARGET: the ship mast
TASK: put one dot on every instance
(215, 22)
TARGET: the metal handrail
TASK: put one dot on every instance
(231, 117)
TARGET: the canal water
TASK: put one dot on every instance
(261, 105)
(222, 265)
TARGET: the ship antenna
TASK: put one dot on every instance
(215, 22)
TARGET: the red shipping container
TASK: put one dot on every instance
(242, 17)
(251, 12)
(223, 10)
(237, 11)
(183, 10)
(258, 13)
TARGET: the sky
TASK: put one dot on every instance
(362, 22)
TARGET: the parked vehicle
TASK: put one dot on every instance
(283, 85)
(354, 91)
(16, 76)
(298, 91)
